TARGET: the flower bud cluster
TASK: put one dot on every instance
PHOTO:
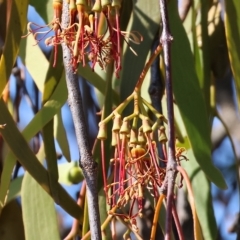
(135, 166)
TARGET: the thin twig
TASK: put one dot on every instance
(86, 162)
(165, 40)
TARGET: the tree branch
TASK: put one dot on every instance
(86, 161)
(165, 40)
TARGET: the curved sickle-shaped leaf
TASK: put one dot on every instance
(47, 112)
(204, 60)
(23, 153)
(15, 189)
(190, 99)
(39, 214)
(6, 178)
(232, 26)
(44, 115)
(61, 136)
(29, 52)
(51, 82)
(16, 23)
(145, 16)
(202, 197)
(96, 80)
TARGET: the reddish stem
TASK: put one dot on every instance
(103, 166)
(122, 165)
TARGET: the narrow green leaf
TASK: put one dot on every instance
(17, 10)
(6, 178)
(202, 197)
(45, 114)
(61, 136)
(232, 27)
(202, 51)
(144, 15)
(15, 189)
(53, 76)
(51, 82)
(29, 52)
(24, 154)
(11, 223)
(190, 99)
(39, 214)
(93, 78)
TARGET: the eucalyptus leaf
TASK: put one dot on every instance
(190, 100)
(29, 52)
(144, 16)
(39, 214)
(61, 136)
(202, 197)
(93, 78)
(15, 189)
(232, 26)
(16, 23)
(44, 115)
(51, 82)
(24, 154)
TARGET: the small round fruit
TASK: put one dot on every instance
(75, 175)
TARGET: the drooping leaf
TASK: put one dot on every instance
(11, 223)
(144, 15)
(202, 53)
(6, 178)
(47, 112)
(96, 81)
(39, 214)
(232, 26)
(32, 56)
(61, 137)
(202, 197)
(51, 82)
(43, 116)
(190, 99)
(15, 189)
(24, 154)
(15, 25)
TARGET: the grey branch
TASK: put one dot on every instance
(86, 162)
(166, 39)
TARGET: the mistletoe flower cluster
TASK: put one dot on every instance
(93, 34)
(135, 166)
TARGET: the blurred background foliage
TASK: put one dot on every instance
(37, 199)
